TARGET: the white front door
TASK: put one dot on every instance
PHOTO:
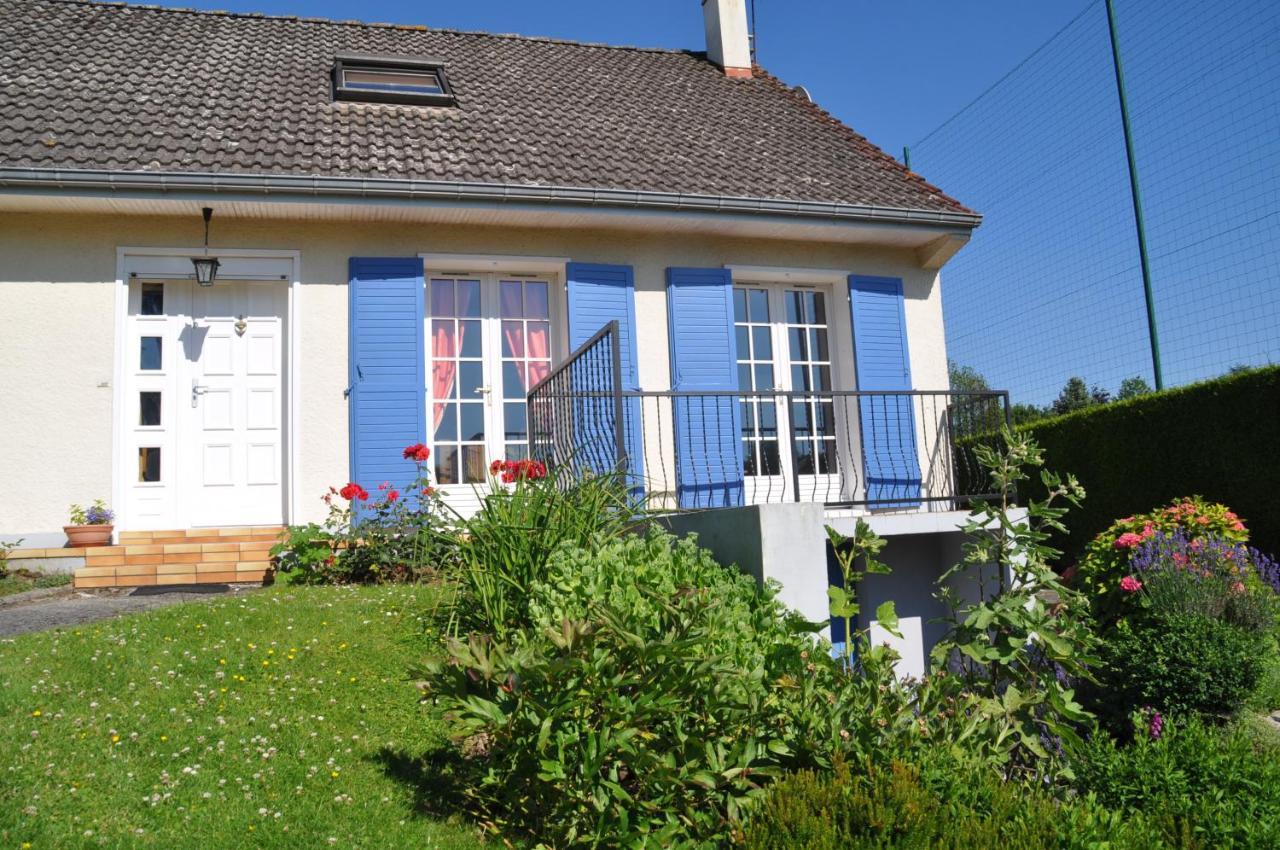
(230, 445)
(204, 404)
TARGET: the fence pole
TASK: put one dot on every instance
(1136, 192)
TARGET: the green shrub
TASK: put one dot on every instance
(942, 805)
(1217, 438)
(652, 696)
(1179, 664)
(504, 547)
(1198, 786)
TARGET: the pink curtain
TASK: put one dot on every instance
(539, 350)
(444, 348)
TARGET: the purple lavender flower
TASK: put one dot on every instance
(1155, 727)
(99, 515)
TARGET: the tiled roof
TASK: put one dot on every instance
(87, 85)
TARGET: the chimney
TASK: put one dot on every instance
(728, 42)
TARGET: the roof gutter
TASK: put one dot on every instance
(289, 187)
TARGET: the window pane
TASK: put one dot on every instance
(470, 380)
(800, 378)
(517, 451)
(822, 378)
(447, 427)
(761, 344)
(800, 418)
(513, 380)
(469, 298)
(149, 408)
(768, 418)
(536, 305)
(514, 421)
(474, 468)
(819, 308)
(512, 339)
(472, 421)
(444, 382)
(818, 343)
(807, 297)
(758, 310)
(743, 340)
(794, 313)
(446, 464)
(539, 340)
(764, 377)
(152, 353)
(152, 299)
(509, 297)
(418, 82)
(796, 343)
(748, 419)
(744, 377)
(442, 298)
(471, 341)
(739, 305)
(769, 463)
(748, 458)
(149, 464)
(804, 457)
(826, 456)
(538, 372)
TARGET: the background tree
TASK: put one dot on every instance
(1132, 388)
(1075, 395)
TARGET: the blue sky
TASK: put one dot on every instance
(893, 70)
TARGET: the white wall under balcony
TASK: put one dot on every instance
(787, 543)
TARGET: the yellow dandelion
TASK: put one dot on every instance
(222, 661)
(37, 713)
(164, 737)
(266, 663)
(115, 739)
(353, 678)
(333, 774)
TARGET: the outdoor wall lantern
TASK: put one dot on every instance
(206, 266)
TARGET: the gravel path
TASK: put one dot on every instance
(88, 606)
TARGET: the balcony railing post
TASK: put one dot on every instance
(791, 445)
(619, 423)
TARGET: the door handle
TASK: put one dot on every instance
(197, 390)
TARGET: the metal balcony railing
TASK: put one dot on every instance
(903, 450)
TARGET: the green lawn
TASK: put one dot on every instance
(264, 720)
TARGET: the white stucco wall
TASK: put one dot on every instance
(58, 296)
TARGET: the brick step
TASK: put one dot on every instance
(237, 555)
(192, 535)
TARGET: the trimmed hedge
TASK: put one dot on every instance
(1219, 439)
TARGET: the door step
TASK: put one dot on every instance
(192, 556)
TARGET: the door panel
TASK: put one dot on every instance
(232, 440)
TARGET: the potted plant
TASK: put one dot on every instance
(91, 527)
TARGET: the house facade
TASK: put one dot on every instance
(413, 228)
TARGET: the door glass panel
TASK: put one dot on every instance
(149, 464)
(753, 331)
(456, 387)
(152, 353)
(813, 422)
(526, 353)
(149, 408)
(152, 299)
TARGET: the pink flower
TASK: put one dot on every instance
(1238, 587)
(1238, 525)
(1148, 531)
(1127, 540)
(392, 496)
(1129, 584)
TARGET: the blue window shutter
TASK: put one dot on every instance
(891, 461)
(708, 430)
(387, 372)
(599, 294)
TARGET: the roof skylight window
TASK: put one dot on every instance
(391, 79)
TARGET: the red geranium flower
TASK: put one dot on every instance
(392, 496)
(353, 491)
(418, 453)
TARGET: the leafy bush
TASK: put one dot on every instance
(504, 547)
(392, 537)
(1198, 786)
(651, 697)
(1179, 664)
(1213, 438)
(942, 805)
(1107, 559)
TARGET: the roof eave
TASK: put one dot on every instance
(284, 187)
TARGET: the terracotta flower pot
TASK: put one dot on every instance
(89, 535)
